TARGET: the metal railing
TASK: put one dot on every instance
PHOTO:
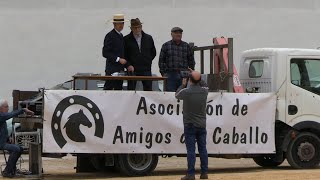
(220, 48)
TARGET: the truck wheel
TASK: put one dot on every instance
(137, 164)
(304, 151)
(267, 161)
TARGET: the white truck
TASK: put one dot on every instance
(294, 76)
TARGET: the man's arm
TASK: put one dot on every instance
(126, 54)
(153, 49)
(191, 62)
(182, 90)
(126, 51)
(107, 49)
(162, 59)
(5, 116)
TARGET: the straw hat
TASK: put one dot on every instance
(118, 18)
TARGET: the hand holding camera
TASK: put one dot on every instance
(185, 82)
(191, 70)
(185, 75)
(28, 112)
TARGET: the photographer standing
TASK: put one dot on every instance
(194, 120)
(175, 56)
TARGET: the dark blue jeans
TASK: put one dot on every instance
(15, 152)
(192, 135)
(174, 81)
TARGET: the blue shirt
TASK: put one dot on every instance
(3, 125)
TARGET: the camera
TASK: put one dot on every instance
(185, 74)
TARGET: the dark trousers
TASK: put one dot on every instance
(112, 84)
(147, 85)
(192, 135)
(174, 81)
(15, 152)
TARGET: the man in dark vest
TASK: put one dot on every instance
(113, 51)
(139, 52)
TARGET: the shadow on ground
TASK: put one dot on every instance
(162, 173)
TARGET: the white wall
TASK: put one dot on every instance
(45, 42)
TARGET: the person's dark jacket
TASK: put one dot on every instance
(112, 49)
(141, 61)
(3, 125)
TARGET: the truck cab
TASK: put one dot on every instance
(293, 74)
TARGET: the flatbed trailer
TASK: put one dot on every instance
(240, 125)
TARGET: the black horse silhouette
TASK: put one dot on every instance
(73, 126)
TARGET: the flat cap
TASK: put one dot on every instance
(176, 29)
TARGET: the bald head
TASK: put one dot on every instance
(195, 77)
(4, 107)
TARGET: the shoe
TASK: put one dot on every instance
(6, 174)
(24, 172)
(204, 176)
(188, 177)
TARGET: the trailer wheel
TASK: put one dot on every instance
(137, 164)
(267, 161)
(304, 151)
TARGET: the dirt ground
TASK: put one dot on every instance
(174, 168)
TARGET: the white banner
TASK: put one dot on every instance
(152, 122)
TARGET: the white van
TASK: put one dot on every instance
(294, 75)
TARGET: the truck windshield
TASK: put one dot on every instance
(305, 74)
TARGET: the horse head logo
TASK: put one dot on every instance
(73, 126)
(74, 121)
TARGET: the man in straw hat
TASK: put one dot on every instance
(139, 52)
(113, 51)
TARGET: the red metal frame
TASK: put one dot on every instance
(217, 66)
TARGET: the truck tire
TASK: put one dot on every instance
(304, 151)
(136, 164)
(267, 161)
